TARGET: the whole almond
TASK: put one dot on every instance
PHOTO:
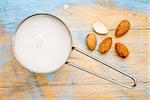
(121, 50)
(105, 45)
(91, 41)
(122, 28)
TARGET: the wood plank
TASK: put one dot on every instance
(71, 83)
(80, 18)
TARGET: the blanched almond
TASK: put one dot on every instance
(100, 28)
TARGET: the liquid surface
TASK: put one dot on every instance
(42, 43)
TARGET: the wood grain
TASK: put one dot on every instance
(68, 83)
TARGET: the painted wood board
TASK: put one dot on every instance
(69, 83)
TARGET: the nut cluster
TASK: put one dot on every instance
(106, 44)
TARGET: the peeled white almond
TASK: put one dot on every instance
(100, 28)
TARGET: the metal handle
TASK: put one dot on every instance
(102, 76)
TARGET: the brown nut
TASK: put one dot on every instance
(105, 45)
(91, 41)
(122, 28)
(121, 50)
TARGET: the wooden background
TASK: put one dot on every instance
(70, 83)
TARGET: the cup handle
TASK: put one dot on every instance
(102, 76)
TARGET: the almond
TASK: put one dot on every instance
(91, 41)
(122, 28)
(105, 45)
(100, 28)
(121, 50)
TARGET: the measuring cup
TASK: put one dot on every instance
(34, 38)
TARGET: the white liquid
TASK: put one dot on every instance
(42, 43)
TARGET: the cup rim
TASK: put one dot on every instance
(13, 39)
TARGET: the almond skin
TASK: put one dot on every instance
(91, 41)
(122, 28)
(105, 45)
(121, 50)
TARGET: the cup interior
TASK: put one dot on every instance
(42, 43)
